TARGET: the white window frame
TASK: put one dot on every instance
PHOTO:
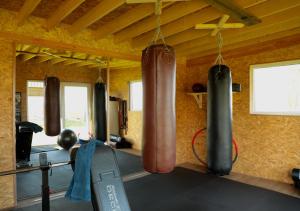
(252, 98)
(62, 102)
(130, 99)
(27, 94)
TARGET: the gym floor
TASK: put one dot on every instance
(188, 187)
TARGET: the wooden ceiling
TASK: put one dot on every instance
(137, 22)
(25, 53)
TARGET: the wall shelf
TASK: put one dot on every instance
(198, 97)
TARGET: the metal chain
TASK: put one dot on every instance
(158, 34)
(219, 60)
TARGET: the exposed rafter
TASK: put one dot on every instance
(63, 11)
(42, 59)
(168, 15)
(26, 10)
(270, 25)
(235, 11)
(102, 9)
(253, 46)
(173, 30)
(128, 18)
(26, 57)
(57, 60)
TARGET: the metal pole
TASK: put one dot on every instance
(45, 182)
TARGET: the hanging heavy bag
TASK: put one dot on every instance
(52, 106)
(100, 111)
(159, 120)
(219, 120)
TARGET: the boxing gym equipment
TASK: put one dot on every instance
(66, 139)
(159, 120)
(106, 181)
(100, 111)
(44, 167)
(201, 132)
(24, 132)
(296, 177)
(219, 120)
(52, 106)
(197, 87)
(107, 185)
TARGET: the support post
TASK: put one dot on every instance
(107, 102)
(45, 182)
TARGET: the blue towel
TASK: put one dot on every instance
(80, 187)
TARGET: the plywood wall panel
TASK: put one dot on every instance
(7, 128)
(119, 87)
(268, 145)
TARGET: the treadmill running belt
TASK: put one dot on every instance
(187, 190)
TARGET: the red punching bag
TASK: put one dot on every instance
(52, 106)
(159, 119)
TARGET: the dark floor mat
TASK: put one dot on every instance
(39, 149)
(184, 190)
(61, 204)
(187, 190)
(28, 184)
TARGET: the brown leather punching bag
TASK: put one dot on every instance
(159, 120)
(52, 106)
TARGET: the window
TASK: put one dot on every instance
(35, 102)
(136, 95)
(275, 88)
(75, 98)
(75, 109)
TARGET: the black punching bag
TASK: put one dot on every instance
(219, 120)
(100, 111)
(52, 106)
(159, 119)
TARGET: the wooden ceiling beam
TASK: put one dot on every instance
(26, 57)
(244, 33)
(148, 1)
(137, 13)
(63, 11)
(254, 46)
(83, 63)
(174, 30)
(26, 10)
(21, 38)
(42, 59)
(244, 36)
(168, 15)
(233, 10)
(57, 60)
(185, 36)
(99, 11)
(71, 61)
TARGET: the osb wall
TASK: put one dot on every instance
(268, 145)
(31, 70)
(119, 87)
(7, 138)
(34, 27)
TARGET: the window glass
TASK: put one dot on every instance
(136, 96)
(275, 88)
